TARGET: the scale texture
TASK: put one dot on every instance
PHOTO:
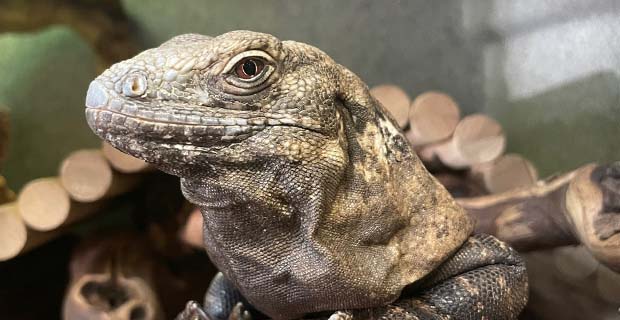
(312, 199)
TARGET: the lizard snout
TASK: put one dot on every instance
(96, 97)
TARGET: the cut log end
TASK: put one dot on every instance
(479, 138)
(44, 204)
(88, 177)
(433, 117)
(510, 171)
(13, 232)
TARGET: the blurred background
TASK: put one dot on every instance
(546, 70)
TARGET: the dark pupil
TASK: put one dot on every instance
(249, 68)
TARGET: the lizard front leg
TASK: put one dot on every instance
(484, 279)
(222, 302)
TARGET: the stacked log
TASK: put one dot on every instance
(450, 145)
(507, 172)
(433, 117)
(88, 176)
(45, 207)
(12, 232)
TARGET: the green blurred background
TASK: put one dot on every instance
(546, 70)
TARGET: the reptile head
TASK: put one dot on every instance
(198, 100)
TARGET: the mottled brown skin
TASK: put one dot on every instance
(313, 201)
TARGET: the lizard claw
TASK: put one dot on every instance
(192, 311)
(341, 315)
(239, 313)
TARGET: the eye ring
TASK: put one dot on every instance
(249, 68)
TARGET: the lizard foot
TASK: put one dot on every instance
(239, 312)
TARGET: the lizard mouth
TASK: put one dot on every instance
(106, 123)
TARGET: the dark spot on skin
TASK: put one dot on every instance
(401, 145)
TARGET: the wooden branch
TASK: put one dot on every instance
(45, 205)
(580, 206)
(509, 171)
(476, 139)
(432, 118)
(123, 162)
(112, 278)
(395, 100)
(88, 177)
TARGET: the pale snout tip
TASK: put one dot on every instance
(96, 97)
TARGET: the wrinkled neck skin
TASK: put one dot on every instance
(361, 218)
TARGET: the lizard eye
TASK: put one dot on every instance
(249, 72)
(250, 67)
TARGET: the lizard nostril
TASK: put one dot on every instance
(134, 85)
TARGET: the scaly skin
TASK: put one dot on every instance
(312, 198)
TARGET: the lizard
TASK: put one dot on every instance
(314, 203)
